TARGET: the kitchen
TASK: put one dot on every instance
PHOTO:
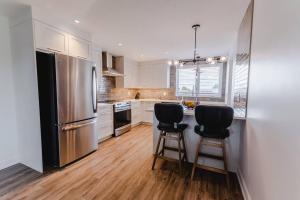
(91, 100)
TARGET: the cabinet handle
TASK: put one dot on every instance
(54, 50)
(82, 57)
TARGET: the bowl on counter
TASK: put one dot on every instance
(190, 104)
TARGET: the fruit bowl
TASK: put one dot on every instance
(189, 104)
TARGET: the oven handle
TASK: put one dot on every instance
(120, 110)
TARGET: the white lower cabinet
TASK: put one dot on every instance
(105, 121)
(147, 111)
(136, 113)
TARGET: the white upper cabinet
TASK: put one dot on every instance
(130, 73)
(129, 68)
(155, 74)
(80, 48)
(50, 39)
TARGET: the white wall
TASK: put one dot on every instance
(8, 133)
(270, 147)
(26, 90)
(154, 74)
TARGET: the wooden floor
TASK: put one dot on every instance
(121, 169)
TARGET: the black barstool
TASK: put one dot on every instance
(169, 117)
(213, 123)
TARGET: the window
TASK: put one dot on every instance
(202, 81)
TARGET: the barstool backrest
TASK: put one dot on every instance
(216, 117)
(168, 113)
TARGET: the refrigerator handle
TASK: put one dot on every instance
(94, 89)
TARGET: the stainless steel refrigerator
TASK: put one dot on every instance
(68, 107)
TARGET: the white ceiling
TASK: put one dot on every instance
(152, 29)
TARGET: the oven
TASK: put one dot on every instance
(122, 117)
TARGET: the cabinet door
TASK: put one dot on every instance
(136, 112)
(80, 48)
(97, 61)
(104, 126)
(50, 39)
(148, 111)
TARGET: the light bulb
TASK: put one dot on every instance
(213, 62)
(176, 62)
(223, 58)
(181, 65)
(169, 62)
(209, 60)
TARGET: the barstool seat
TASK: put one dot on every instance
(212, 133)
(171, 128)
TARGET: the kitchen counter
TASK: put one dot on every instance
(186, 111)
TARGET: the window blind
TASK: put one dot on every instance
(198, 81)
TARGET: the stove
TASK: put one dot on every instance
(122, 117)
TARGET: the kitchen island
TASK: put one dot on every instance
(192, 139)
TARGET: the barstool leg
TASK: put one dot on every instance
(163, 146)
(225, 161)
(196, 158)
(179, 153)
(157, 148)
(185, 153)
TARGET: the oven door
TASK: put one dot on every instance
(122, 121)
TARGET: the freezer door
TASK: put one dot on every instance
(76, 140)
(76, 89)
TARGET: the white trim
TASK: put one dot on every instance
(243, 185)
(8, 162)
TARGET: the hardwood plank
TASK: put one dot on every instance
(121, 169)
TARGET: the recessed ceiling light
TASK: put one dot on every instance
(120, 44)
(169, 62)
(76, 21)
(176, 62)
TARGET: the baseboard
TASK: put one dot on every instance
(7, 163)
(243, 185)
(147, 123)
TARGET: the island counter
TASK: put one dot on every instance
(192, 139)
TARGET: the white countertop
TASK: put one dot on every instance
(186, 111)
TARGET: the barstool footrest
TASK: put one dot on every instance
(172, 149)
(211, 156)
(212, 169)
(167, 159)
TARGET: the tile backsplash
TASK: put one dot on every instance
(107, 91)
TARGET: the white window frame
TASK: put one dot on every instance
(197, 93)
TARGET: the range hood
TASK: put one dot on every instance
(107, 66)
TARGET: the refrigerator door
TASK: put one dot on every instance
(76, 140)
(76, 89)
